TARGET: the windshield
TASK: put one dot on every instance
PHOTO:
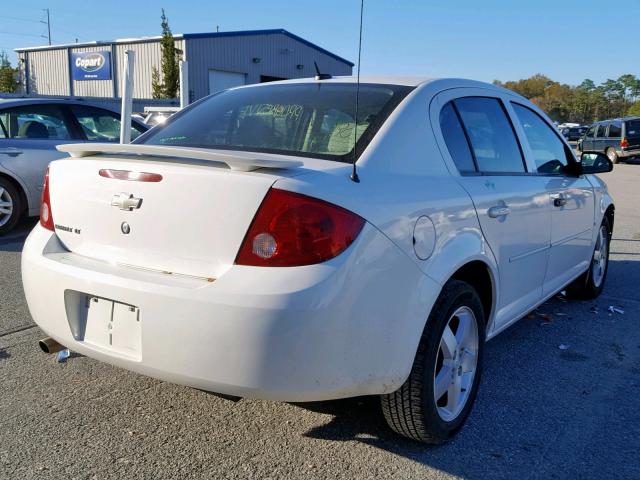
(311, 119)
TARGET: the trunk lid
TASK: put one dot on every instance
(190, 222)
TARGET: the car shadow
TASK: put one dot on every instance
(544, 385)
(14, 240)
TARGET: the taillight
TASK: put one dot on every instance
(624, 143)
(46, 218)
(290, 229)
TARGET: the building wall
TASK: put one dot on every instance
(279, 56)
(48, 72)
(148, 55)
(49, 69)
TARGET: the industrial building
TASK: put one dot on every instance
(216, 61)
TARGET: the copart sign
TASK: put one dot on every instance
(91, 65)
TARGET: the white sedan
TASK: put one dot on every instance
(239, 250)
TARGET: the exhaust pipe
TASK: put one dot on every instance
(49, 345)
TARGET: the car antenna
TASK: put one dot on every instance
(354, 172)
(320, 76)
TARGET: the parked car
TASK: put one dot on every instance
(619, 138)
(158, 115)
(30, 130)
(256, 260)
(574, 134)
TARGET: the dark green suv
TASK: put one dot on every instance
(619, 138)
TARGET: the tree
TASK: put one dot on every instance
(634, 109)
(585, 103)
(170, 84)
(8, 82)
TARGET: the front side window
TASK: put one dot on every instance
(548, 150)
(591, 132)
(101, 125)
(310, 119)
(491, 135)
(455, 139)
(35, 122)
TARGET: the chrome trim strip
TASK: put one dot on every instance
(569, 238)
(529, 253)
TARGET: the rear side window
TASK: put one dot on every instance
(100, 125)
(455, 139)
(548, 150)
(632, 128)
(493, 141)
(615, 130)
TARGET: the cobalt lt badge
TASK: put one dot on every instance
(125, 228)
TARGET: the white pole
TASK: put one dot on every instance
(127, 96)
(184, 84)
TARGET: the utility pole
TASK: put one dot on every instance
(48, 23)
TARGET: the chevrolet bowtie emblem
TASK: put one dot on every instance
(126, 201)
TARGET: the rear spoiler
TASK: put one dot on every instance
(241, 161)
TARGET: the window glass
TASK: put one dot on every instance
(3, 121)
(591, 132)
(602, 130)
(491, 135)
(548, 150)
(41, 122)
(101, 125)
(632, 129)
(615, 130)
(314, 119)
(455, 139)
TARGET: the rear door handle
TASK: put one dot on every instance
(499, 211)
(10, 151)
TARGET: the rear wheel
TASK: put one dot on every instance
(433, 403)
(590, 284)
(10, 206)
(613, 155)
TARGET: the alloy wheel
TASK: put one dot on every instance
(6, 206)
(456, 364)
(600, 257)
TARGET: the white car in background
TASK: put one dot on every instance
(234, 250)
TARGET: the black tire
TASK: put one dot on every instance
(7, 190)
(612, 154)
(411, 410)
(586, 286)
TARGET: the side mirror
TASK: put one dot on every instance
(595, 162)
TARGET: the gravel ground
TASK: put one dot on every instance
(542, 412)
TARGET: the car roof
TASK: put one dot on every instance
(402, 80)
(16, 102)
(621, 119)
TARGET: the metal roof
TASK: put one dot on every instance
(186, 36)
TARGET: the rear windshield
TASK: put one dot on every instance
(312, 119)
(633, 128)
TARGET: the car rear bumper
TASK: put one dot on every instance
(629, 153)
(343, 328)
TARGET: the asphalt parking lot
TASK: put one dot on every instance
(542, 411)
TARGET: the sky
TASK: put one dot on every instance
(567, 40)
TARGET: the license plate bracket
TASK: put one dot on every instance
(114, 326)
